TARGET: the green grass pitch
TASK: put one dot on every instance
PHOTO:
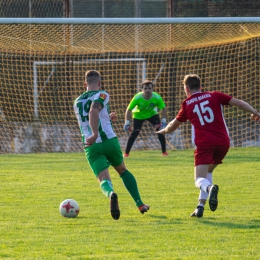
(33, 186)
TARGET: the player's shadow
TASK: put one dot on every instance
(166, 220)
(157, 216)
(253, 224)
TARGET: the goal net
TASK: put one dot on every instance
(43, 63)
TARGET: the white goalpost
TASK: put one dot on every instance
(140, 66)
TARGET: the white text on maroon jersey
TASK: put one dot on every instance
(196, 99)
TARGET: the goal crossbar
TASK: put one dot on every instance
(196, 20)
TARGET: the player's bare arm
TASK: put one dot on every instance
(164, 113)
(113, 116)
(255, 118)
(172, 126)
(93, 121)
(246, 107)
(128, 114)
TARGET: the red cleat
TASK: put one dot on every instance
(143, 208)
(165, 154)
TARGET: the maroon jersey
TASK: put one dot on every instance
(205, 112)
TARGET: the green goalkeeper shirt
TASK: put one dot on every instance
(142, 108)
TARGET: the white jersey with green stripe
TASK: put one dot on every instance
(82, 106)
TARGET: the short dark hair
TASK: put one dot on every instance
(192, 81)
(147, 82)
(92, 76)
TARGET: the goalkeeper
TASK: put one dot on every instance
(144, 106)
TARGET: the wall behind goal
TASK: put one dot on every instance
(129, 8)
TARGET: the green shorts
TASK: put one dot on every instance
(101, 155)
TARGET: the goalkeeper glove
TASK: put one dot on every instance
(127, 126)
(163, 123)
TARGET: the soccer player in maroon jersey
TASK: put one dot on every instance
(211, 137)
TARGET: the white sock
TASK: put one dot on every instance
(209, 177)
(202, 184)
(204, 195)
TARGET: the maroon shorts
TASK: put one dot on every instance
(210, 154)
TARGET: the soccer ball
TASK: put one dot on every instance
(69, 208)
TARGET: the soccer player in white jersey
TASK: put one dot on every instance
(205, 112)
(101, 145)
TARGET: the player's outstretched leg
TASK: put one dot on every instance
(213, 197)
(131, 185)
(114, 208)
(198, 212)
